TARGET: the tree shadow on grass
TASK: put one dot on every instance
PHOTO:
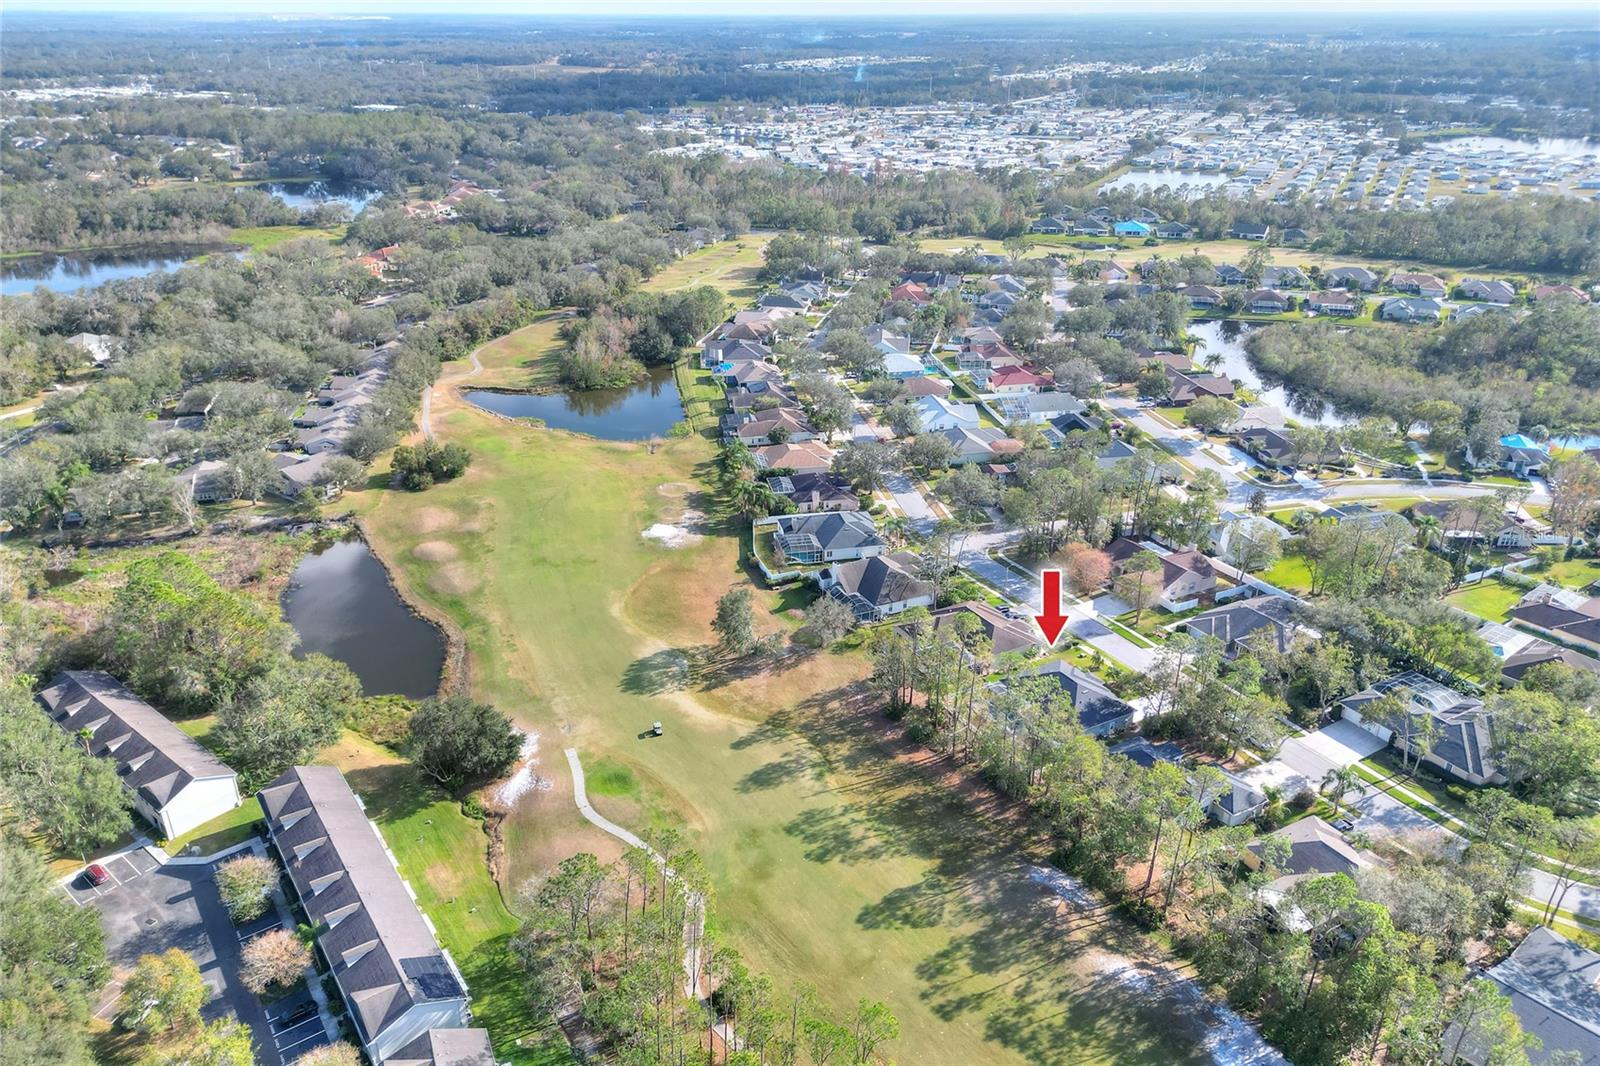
(664, 671)
(393, 792)
(791, 766)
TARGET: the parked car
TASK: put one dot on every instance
(299, 1014)
(96, 875)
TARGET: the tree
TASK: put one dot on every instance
(273, 960)
(421, 466)
(903, 419)
(245, 883)
(224, 1042)
(52, 962)
(828, 619)
(1088, 569)
(756, 499)
(1574, 849)
(865, 464)
(1253, 544)
(75, 799)
(1549, 749)
(930, 451)
(456, 740)
(1211, 413)
(1338, 783)
(735, 622)
(336, 475)
(340, 1054)
(164, 993)
(1140, 582)
(285, 716)
(872, 1026)
(1483, 1023)
(969, 491)
(1574, 495)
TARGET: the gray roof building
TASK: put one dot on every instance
(176, 784)
(447, 1047)
(877, 587)
(1463, 747)
(1099, 710)
(395, 978)
(1554, 987)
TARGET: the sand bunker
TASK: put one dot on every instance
(435, 551)
(683, 532)
(433, 519)
(526, 778)
(454, 579)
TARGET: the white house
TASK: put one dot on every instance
(903, 365)
(939, 414)
(176, 784)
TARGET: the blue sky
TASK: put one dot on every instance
(1342, 9)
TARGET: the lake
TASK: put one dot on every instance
(305, 195)
(69, 273)
(341, 604)
(1226, 339)
(1198, 184)
(647, 409)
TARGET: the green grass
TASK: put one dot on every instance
(703, 399)
(1289, 573)
(729, 265)
(257, 238)
(1492, 599)
(223, 831)
(1573, 573)
(608, 778)
(829, 849)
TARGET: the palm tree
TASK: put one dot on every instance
(896, 531)
(755, 499)
(1429, 530)
(1339, 783)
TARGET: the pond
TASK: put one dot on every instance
(85, 270)
(341, 604)
(305, 195)
(1197, 185)
(647, 409)
(1225, 339)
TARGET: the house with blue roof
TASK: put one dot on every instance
(1132, 228)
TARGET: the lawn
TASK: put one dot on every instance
(703, 399)
(1573, 573)
(1289, 573)
(729, 265)
(257, 238)
(223, 831)
(521, 359)
(834, 855)
(1490, 599)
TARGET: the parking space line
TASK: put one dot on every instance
(318, 1035)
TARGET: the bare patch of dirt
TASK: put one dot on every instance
(435, 551)
(433, 519)
(455, 579)
(673, 489)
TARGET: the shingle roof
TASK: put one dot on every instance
(1554, 986)
(877, 582)
(1097, 705)
(1464, 739)
(446, 1047)
(155, 758)
(834, 530)
(383, 951)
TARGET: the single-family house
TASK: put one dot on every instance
(746, 373)
(887, 340)
(298, 475)
(1334, 302)
(1495, 291)
(1039, 407)
(1296, 237)
(938, 414)
(981, 445)
(1550, 292)
(1554, 990)
(1100, 712)
(1250, 231)
(773, 425)
(207, 481)
(1004, 634)
(783, 301)
(816, 492)
(1561, 614)
(1265, 302)
(1132, 228)
(1284, 277)
(877, 587)
(396, 981)
(827, 537)
(1238, 802)
(174, 782)
(902, 366)
(1200, 297)
(1316, 849)
(1015, 380)
(1463, 742)
(1228, 274)
(99, 347)
(1243, 624)
(1467, 312)
(1051, 224)
(910, 292)
(1517, 454)
(1428, 285)
(1147, 753)
(802, 457)
(1359, 278)
(925, 385)
(1091, 226)
(1174, 231)
(1184, 580)
(1409, 309)
(1186, 388)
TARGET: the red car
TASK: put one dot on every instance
(96, 875)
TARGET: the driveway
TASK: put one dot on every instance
(1302, 762)
(912, 503)
(152, 908)
(124, 867)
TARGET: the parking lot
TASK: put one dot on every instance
(147, 908)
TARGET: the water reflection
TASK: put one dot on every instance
(70, 273)
(647, 409)
(1224, 350)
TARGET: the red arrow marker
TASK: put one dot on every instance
(1052, 621)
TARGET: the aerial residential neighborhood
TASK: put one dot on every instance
(977, 538)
